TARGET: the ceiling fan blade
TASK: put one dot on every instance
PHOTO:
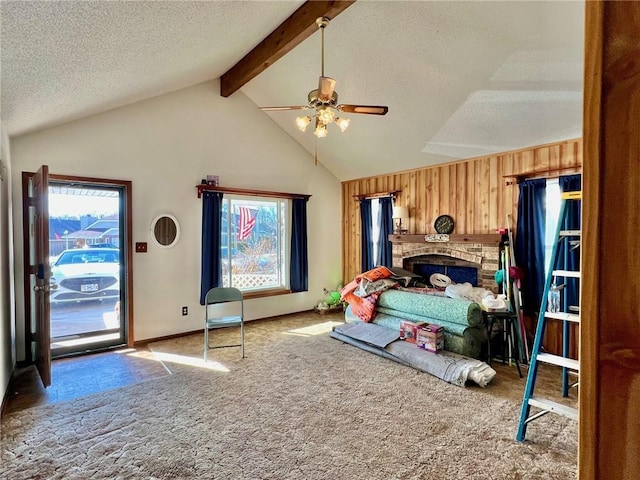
(368, 109)
(278, 109)
(326, 86)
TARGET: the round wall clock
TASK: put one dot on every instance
(444, 224)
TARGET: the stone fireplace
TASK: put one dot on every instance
(462, 258)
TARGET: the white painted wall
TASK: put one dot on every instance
(7, 297)
(165, 146)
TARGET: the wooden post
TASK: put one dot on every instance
(609, 428)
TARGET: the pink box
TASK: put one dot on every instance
(409, 329)
(430, 337)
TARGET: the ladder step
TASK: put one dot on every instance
(576, 195)
(566, 273)
(555, 407)
(569, 317)
(559, 360)
(570, 233)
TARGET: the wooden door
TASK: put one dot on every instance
(41, 268)
(609, 429)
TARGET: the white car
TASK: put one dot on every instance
(86, 274)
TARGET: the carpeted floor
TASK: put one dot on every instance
(300, 406)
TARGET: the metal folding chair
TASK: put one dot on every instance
(217, 296)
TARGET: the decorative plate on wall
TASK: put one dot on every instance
(444, 224)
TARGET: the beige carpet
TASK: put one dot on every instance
(300, 406)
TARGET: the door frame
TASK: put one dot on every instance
(126, 185)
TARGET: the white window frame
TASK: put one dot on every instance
(552, 211)
(283, 212)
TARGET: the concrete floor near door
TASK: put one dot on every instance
(74, 318)
(83, 375)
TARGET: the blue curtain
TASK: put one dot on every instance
(211, 271)
(366, 243)
(530, 235)
(386, 228)
(567, 258)
(299, 265)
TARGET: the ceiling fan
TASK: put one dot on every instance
(324, 100)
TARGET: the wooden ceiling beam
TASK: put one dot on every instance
(298, 27)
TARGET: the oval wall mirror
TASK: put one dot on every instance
(165, 230)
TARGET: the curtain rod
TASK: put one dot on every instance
(549, 173)
(391, 194)
(243, 191)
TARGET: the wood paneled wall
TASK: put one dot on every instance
(474, 192)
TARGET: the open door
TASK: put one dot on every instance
(41, 270)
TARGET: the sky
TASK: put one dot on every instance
(76, 206)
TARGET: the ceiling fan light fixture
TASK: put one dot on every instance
(343, 123)
(326, 115)
(320, 130)
(324, 101)
(303, 123)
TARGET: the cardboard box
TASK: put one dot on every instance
(430, 337)
(409, 329)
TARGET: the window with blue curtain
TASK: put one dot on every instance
(366, 242)
(211, 269)
(385, 224)
(299, 267)
(376, 226)
(247, 243)
(568, 258)
(530, 242)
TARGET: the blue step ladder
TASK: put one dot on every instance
(570, 240)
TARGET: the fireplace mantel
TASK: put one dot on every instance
(484, 238)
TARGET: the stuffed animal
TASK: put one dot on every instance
(331, 297)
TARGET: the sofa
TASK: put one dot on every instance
(464, 329)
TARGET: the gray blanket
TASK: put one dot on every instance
(369, 333)
(448, 366)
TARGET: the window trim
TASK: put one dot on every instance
(265, 293)
(283, 257)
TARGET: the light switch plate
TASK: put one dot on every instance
(141, 247)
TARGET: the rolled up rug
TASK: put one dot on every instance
(461, 339)
(437, 308)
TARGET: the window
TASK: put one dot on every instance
(552, 201)
(254, 242)
(375, 227)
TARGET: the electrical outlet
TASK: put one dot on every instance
(185, 310)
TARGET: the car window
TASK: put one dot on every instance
(87, 256)
(69, 257)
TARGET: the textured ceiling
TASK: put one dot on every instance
(67, 60)
(461, 79)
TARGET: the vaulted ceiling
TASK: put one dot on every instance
(461, 79)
